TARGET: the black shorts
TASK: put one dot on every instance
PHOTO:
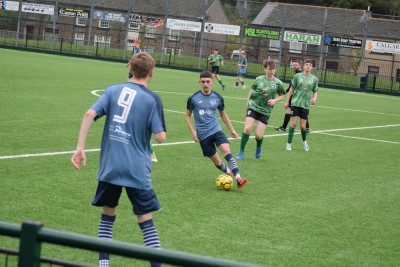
(215, 69)
(143, 201)
(299, 112)
(210, 144)
(257, 116)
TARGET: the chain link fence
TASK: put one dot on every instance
(74, 29)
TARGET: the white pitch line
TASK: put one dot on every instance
(361, 138)
(192, 142)
(358, 110)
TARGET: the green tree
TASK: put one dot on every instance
(355, 60)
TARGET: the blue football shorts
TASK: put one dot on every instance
(210, 144)
(143, 201)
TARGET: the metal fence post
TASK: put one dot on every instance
(29, 247)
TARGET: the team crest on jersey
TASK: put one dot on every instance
(274, 86)
(213, 102)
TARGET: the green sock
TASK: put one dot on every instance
(243, 141)
(290, 135)
(259, 141)
(303, 135)
(220, 82)
(151, 148)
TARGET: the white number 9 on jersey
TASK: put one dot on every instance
(125, 101)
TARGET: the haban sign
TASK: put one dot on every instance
(314, 39)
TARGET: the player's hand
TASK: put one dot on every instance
(286, 105)
(195, 138)
(235, 135)
(78, 157)
(313, 101)
(271, 102)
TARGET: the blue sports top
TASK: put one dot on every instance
(204, 108)
(243, 69)
(133, 113)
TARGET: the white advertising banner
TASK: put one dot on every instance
(382, 47)
(185, 25)
(29, 7)
(222, 28)
(302, 37)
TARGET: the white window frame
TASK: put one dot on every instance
(149, 49)
(80, 21)
(133, 25)
(150, 32)
(79, 38)
(274, 58)
(174, 35)
(274, 45)
(102, 41)
(105, 24)
(173, 51)
(295, 47)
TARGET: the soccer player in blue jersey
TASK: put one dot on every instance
(133, 113)
(204, 105)
(241, 71)
(136, 49)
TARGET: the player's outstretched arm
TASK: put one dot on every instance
(188, 118)
(79, 155)
(228, 123)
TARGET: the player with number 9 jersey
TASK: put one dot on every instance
(133, 114)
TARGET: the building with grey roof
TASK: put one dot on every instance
(330, 24)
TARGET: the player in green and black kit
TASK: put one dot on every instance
(303, 92)
(215, 61)
(264, 93)
(296, 66)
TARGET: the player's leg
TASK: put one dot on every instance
(153, 154)
(225, 149)
(248, 126)
(303, 127)
(221, 141)
(242, 80)
(209, 150)
(293, 123)
(286, 119)
(219, 78)
(144, 202)
(259, 134)
(237, 81)
(107, 196)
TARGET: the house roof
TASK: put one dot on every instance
(177, 8)
(349, 22)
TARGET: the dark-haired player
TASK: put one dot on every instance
(204, 104)
(303, 93)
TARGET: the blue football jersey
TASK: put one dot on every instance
(133, 113)
(204, 109)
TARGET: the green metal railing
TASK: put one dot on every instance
(33, 234)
